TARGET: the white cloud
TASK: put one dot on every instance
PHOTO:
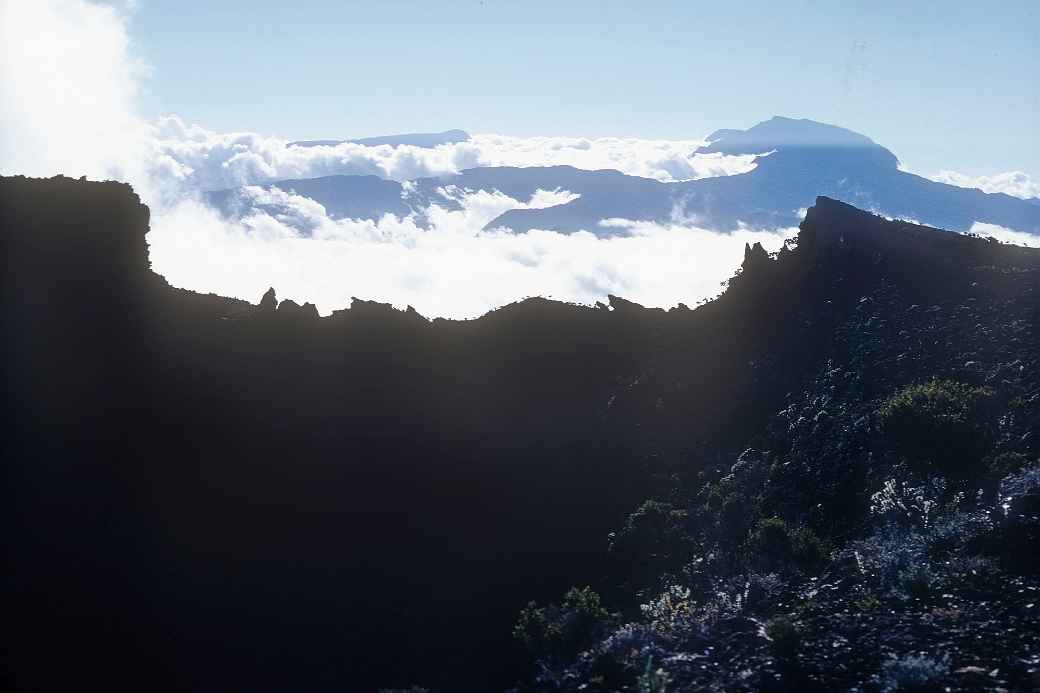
(67, 105)
(208, 160)
(68, 83)
(452, 269)
(664, 160)
(1005, 235)
(1014, 183)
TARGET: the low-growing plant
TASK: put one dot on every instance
(672, 614)
(784, 638)
(868, 602)
(941, 422)
(775, 544)
(653, 539)
(913, 673)
(918, 582)
(1008, 463)
(887, 554)
(898, 501)
(761, 588)
(653, 680)
(556, 633)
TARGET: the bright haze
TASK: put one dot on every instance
(264, 136)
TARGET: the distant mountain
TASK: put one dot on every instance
(808, 159)
(797, 161)
(344, 197)
(416, 139)
(609, 192)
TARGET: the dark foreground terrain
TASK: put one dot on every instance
(825, 479)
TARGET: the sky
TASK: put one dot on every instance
(176, 98)
(949, 85)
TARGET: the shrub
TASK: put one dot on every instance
(774, 544)
(868, 602)
(734, 516)
(653, 680)
(653, 540)
(940, 421)
(913, 673)
(1008, 463)
(784, 638)
(904, 504)
(888, 554)
(558, 632)
(672, 614)
(761, 588)
(918, 582)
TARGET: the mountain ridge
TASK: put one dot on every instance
(426, 140)
(256, 496)
(798, 161)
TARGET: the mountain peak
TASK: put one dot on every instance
(780, 133)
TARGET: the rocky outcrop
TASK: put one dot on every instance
(367, 499)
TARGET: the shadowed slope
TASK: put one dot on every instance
(253, 497)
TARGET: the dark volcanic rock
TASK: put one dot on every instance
(227, 500)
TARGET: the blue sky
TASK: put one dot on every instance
(944, 85)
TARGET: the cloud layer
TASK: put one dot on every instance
(1014, 183)
(1005, 235)
(208, 160)
(67, 105)
(452, 269)
(68, 84)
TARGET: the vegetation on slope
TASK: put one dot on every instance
(209, 495)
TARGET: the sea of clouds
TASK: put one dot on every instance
(69, 104)
(210, 160)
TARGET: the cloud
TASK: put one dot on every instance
(664, 160)
(68, 83)
(208, 160)
(67, 105)
(1014, 183)
(452, 269)
(1005, 235)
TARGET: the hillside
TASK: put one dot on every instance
(212, 495)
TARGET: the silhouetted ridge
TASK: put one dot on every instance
(234, 496)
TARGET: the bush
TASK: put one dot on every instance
(940, 421)
(734, 516)
(913, 673)
(784, 638)
(889, 554)
(653, 540)
(653, 680)
(899, 502)
(1008, 463)
(673, 614)
(558, 632)
(774, 544)
(918, 582)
